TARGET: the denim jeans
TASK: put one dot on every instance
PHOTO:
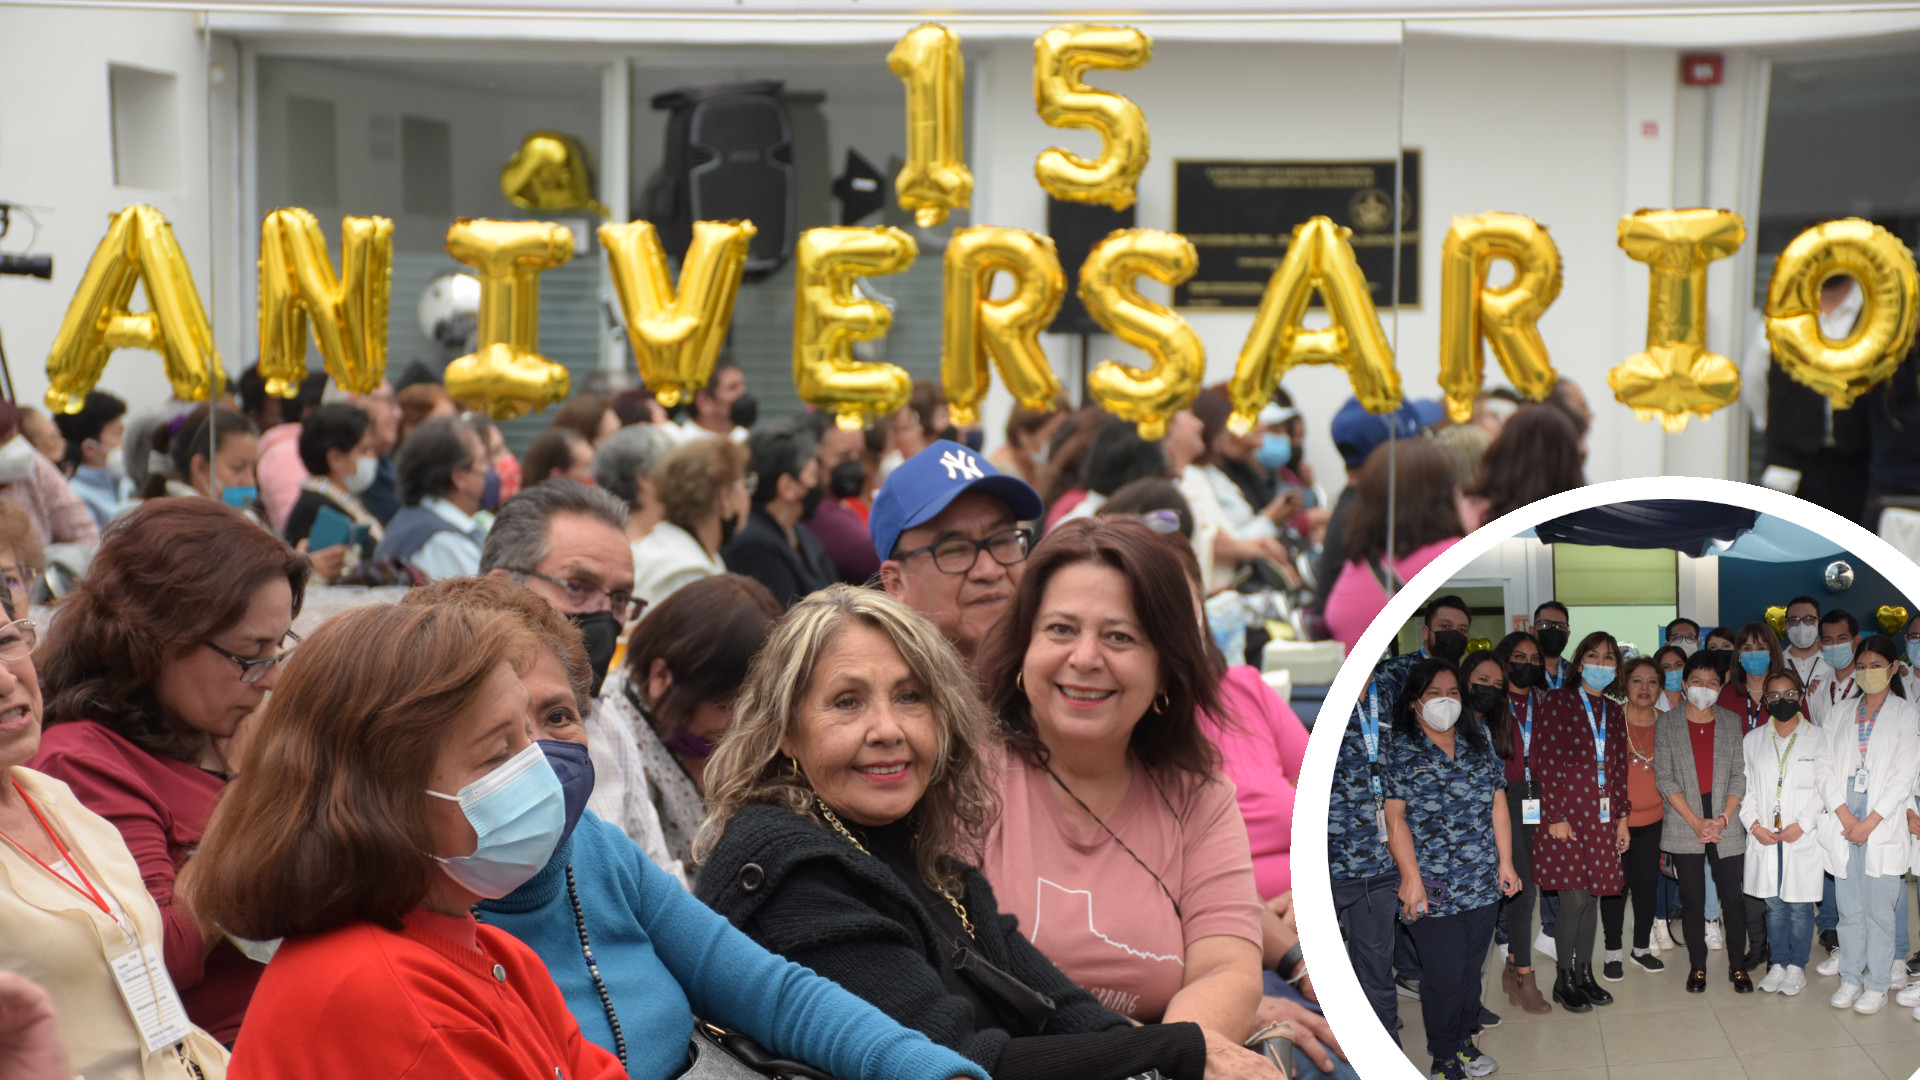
(1789, 931)
(1829, 916)
(1866, 915)
(1900, 941)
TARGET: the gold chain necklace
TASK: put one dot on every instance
(834, 821)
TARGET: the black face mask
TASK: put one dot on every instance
(1553, 642)
(847, 479)
(811, 501)
(1448, 645)
(575, 769)
(1525, 676)
(1484, 697)
(1783, 709)
(600, 632)
(745, 411)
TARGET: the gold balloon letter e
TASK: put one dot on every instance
(828, 318)
(677, 338)
(349, 313)
(505, 372)
(1676, 375)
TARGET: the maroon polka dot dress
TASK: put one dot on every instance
(1564, 765)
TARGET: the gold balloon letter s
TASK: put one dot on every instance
(1676, 376)
(139, 249)
(1061, 56)
(828, 318)
(1471, 314)
(1883, 331)
(349, 313)
(506, 373)
(1007, 329)
(1146, 396)
(677, 338)
(934, 180)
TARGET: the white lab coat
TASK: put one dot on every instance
(1826, 697)
(1799, 803)
(1893, 757)
(1811, 669)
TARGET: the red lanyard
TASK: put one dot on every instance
(86, 887)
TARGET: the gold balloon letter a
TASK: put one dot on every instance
(1149, 396)
(677, 339)
(934, 179)
(506, 373)
(139, 249)
(1061, 56)
(828, 318)
(1676, 375)
(349, 313)
(1009, 328)
(1471, 314)
(1883, 331)
(1319, 257)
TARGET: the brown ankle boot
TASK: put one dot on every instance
(1510, 981)
(1526, 995)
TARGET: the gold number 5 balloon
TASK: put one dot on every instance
(934, 179)
(1061, 56)
(1147, 396)
(1883, 331)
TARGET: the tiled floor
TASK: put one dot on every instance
(1655, 1029)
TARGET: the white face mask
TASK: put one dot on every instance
(16, 460)
(1802, 635)
(888, 463)
(1702, 697)
(364, 471)
(116, 464)
(1441, 712)
(1687, 646)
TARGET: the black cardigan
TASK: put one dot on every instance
(806, 893)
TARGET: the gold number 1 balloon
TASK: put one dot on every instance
(1007, 329)
(1473, 314)
(934, 180)
(139, 249)
(1883, 331)
(828, 318)
(676, 338)
(1146, 396)
(506, 373)
(349, 313)
(1676, 376)
(1061, 57)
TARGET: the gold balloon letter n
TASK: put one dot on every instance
(1676, 375)
(677, 338)
(506, 373)
(828, 318)
(139, 249)
(349, 313)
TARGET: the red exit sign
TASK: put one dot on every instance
(1703, 69)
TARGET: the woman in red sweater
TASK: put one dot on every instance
(153, 672)
(394, 785)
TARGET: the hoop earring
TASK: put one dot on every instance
(1020, 681)
(793, 771)
(1160, 703)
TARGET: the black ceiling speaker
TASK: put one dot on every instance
(729, 154)
(1075, 228)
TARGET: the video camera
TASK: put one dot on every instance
(40, 266)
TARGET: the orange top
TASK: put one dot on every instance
(1648, 807)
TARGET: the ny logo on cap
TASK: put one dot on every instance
(961, 466)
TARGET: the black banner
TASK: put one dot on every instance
(1241, 214)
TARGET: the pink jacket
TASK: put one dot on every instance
(1261, 748)
(281, 472)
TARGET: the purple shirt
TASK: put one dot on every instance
(846, 540)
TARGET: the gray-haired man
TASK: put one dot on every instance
(567, 541)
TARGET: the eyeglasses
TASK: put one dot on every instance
(1803, 620)
(1548, 624)
(958, 554)
(17, 640)
(1780, 695)
(252, 670)
(624, 605)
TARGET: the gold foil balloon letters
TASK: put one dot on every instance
(1882, 332)
(1318, 258)
(935, 179)
(551, 173)
(139, 249)
(506, 373)
(1472, 314)
(1008, 329)
(828, 318)
(1061, 56)
(1676, 376)
(349, 313)
(1147, 396)
(677, 337)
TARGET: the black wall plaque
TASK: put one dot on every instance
(1241, 214)
(1075, 228)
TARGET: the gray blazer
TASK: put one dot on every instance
(1673, 770)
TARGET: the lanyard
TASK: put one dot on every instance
(1780, 778)
(1754, 712)
(1370, 735)
(1599, 731)
(1863, 728)
(1554, 681)
(85, 887)
(1835, 695)
(1526, 742)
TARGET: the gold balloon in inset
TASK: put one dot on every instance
(551, 173)
(349, 312)
(1473, 314)
(1892, 618)
(1007, 329)
(828, 318)
(139, 249)
(1318, 258)
(676, 338)
(505, 373)
(1882, 332)
(1061, 57)
(1676, 376)
(935, 179)
(1776, 617)
(1146, 396)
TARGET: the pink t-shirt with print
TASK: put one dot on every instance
(1094, 911)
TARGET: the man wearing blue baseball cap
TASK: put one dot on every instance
(946, 525)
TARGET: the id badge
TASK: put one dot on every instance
(1606, 809)
(1529, 811)
(1380, 823)
(151, 998)
(1860, 780)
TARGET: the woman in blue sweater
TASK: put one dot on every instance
(635, 954)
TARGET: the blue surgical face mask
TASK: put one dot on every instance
(1276, 451)
(239, 497)
(1755, 663)
(1671, 680)
(574, 766)
(519, 812)
(1596, 677)
(1839, 656)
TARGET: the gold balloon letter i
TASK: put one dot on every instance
(828, 318)
(349, 313)
(1007, 329)
(139, 249)
(1676, 376)
(1147, 396)
(1473, 315)
(506, 373)
(677, 338)
(934, 180)
(1061, 57)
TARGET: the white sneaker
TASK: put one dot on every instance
(1900, 977)
(1829, 966)
(1713, 936)
(1909, 996)
(1795, 982)
(1661, 938)
(1844, 997)
(1776, 975)
(1504, 953)
(1871, 1002)
(1544, 944)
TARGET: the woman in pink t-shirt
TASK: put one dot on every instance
(1428, 519)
